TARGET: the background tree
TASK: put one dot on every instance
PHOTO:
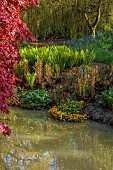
(66, 19)
(12, 32)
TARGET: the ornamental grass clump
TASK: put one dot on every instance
(68, 110)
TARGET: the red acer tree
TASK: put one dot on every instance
(12, 32)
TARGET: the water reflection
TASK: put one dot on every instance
(38, 142)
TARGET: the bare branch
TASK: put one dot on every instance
(98, 15)
(87, 20)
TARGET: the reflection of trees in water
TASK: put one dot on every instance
(19, 154)
(80, 150)
(44, 144)
(89, 152)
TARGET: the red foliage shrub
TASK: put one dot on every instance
(12, 32)
(4, 129)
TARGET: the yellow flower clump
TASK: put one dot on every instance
(64, 116)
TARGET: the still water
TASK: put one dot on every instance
(38, 142)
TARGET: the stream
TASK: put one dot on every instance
(39, 142)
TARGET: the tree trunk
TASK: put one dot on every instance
(94, 32)
(93, 26)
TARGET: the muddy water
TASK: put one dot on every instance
(38, 142)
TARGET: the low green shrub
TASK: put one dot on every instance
(106, 98)
(34, 99)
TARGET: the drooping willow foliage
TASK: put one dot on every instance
(66, 18)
